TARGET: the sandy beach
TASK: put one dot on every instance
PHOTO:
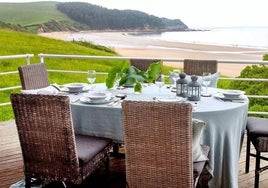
(129, 45)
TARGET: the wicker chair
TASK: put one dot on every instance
(257, 134)
(197, 67)
(33, 76)
(51, 151)
(142, 64)
(158, 145)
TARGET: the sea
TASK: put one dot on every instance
(250, 37)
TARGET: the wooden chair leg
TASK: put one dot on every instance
(257, 167)
(247, 155)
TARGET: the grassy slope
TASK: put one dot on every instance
(30, 13)
(20, 43)
(12, 43)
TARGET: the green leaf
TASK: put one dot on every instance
(132, 75)
(138, 87)
(110, 79)
(112, 75)
(154, 71)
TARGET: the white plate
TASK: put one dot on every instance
(167, 99)
(89, 101)
(65, 88)
(221, 96)
(232, 94)
(97, 96)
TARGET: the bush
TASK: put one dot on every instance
(254, 87)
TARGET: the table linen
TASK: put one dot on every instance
(226, 123)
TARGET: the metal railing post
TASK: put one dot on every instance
(41, 58)
(28, 59)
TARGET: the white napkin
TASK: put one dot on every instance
(49, 90)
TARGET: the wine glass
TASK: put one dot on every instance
(117, 81)
(175, 76)
(206, 81)
(160, 82)
(91, 77)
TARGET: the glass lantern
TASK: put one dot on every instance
(193, 89)
(181, 86)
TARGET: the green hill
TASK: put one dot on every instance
(73, 16)
(36, 16)
(100, 18)
(32, 13)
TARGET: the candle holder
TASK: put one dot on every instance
(193, 89)
(181, 86)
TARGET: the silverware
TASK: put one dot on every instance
(231, 100)
(75, 100)
(56, 87)
(120, 97)
(115, 102)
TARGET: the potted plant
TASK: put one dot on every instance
(132, 76)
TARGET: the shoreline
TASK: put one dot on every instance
(129, 45)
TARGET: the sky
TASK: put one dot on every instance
(194, 13)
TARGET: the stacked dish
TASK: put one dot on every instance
(232, 94)
(96, 98)
(75, 87)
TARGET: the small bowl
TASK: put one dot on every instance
(232, 94)
(75, 87)
(97, 96)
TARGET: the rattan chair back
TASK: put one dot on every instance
(142, 64)
(50, 149)
(197, 67)
(33, 76)
(46, 136)
(158, 144)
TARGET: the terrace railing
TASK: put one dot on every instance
(43, 56)
(27, 57)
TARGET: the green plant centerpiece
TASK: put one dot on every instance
(132, 76)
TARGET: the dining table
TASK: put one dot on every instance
(224, 131)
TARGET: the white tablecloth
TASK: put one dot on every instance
(226, 122)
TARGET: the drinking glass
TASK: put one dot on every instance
(206, 81)
(160, 82)
(91, 77)
(175, 76)
(117, 80)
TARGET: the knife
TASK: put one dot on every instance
(232, 100)
(115, 102)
